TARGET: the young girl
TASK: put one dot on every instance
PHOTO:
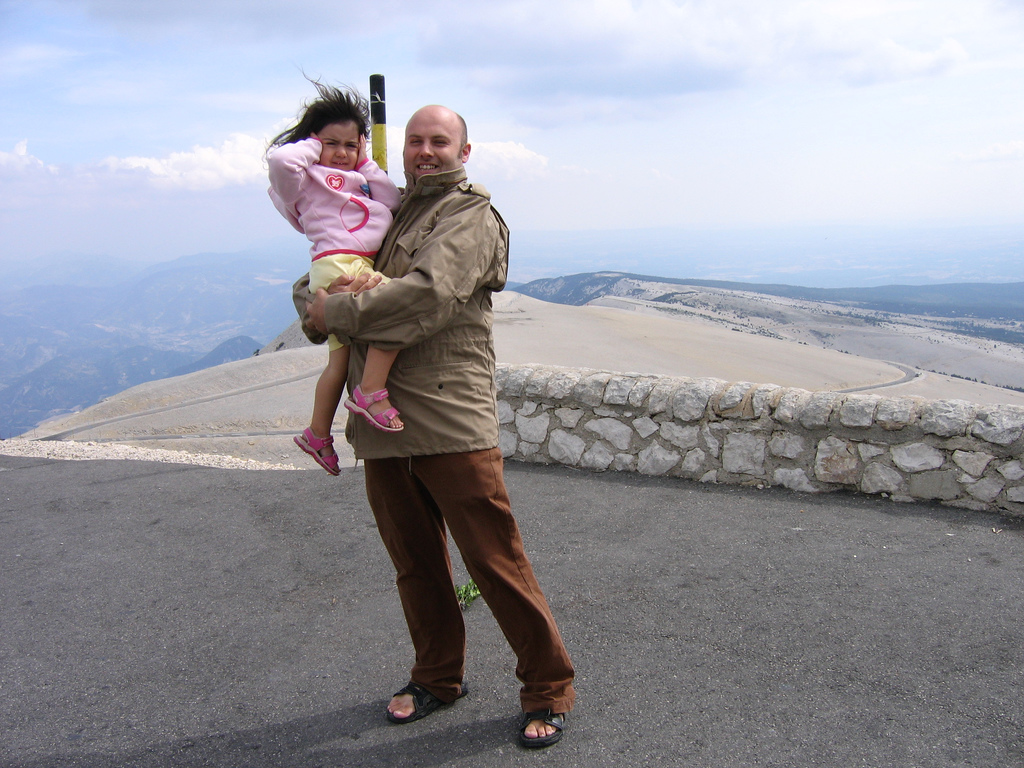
(322, 182)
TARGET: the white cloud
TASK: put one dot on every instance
(508, 159)
(73, 198)
(21, 163)
(30, 59)
(1009, 150)
(887, 61)
(264, 18)
(744, 111)
(595, 58)
(239, 160)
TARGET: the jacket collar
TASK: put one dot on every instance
(434, 183)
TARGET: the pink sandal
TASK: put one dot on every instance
(359, 403)
(312, 445)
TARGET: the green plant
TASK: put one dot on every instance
(467, 593)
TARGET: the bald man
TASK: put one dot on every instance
(446, 252)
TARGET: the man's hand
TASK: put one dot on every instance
(315, 311)
(342, 284)
(356, 285)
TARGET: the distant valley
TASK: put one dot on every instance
(66, 347)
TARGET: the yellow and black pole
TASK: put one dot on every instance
(378, 122)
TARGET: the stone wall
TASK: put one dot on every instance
(906, 448)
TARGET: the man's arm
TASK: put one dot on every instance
(465, 250)
(311, 306)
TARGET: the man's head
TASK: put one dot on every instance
(435, 141)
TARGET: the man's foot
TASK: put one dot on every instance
(538, 729)
(541, 728)
(402, 706)
(414, 702)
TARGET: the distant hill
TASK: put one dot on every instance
(67, 346)
(990, 301)
(77, 380)
(237, 348)
(969, 330)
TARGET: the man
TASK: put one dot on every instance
(446, 252)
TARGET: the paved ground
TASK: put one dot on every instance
(168, 615)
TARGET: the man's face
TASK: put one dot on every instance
(433, 142)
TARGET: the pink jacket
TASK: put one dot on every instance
(339, 211)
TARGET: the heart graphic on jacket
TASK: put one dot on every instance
(335, 182)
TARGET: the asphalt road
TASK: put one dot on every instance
(170, 615)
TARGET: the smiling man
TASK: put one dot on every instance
(434, 143)
(446, 252)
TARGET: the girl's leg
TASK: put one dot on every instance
(328, 394)
(375, 377)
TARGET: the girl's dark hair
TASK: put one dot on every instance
(335, 105)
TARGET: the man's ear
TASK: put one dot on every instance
(464, 156)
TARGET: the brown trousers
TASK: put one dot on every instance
(413, 500)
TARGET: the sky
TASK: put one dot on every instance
(136, 130)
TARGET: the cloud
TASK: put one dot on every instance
(887, 61)
(21, 60)
(608, 53)
(20, 163)
(1009, 150)
(31, 184)
(734, 99)
(595, 59)
(155, 209)
(237, 161)
(507, 159)
(267, 19)
(28, 183)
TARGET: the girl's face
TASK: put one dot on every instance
(342, 143)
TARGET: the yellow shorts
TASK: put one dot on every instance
(327, 269)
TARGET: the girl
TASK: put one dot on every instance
(322, 182)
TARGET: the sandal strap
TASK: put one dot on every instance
(421, 696)
(546, 716)
(384, 417)
(376, 397)
(317, 443)
(362, 399)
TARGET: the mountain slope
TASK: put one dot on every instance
(977, 300)
(950, 331)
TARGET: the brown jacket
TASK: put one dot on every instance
(446, 252)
